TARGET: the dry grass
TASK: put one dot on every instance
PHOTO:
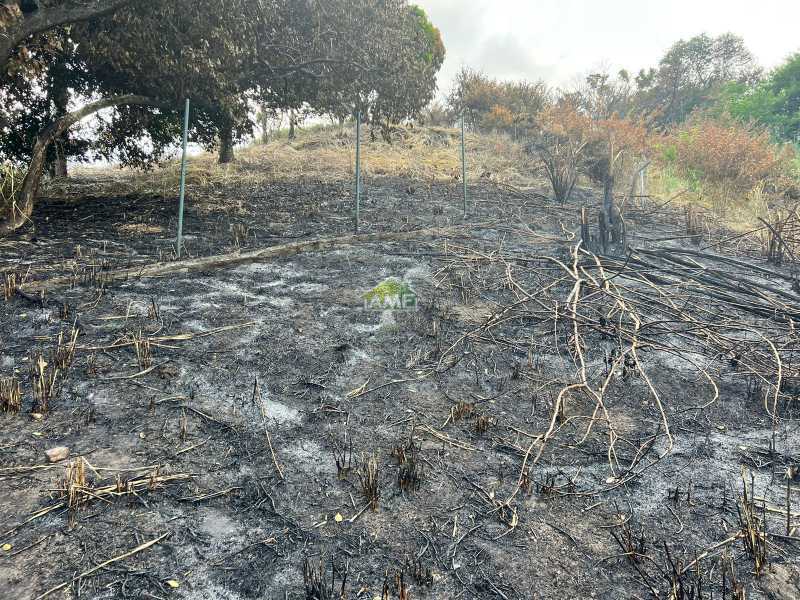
(64, 352)
(45, 383)
(369, 477)
(140, 229)
(9, 285)
(10, 183)
(10, 395)
(324, 155)
(144, 353)
(739, 213)
(76, 489)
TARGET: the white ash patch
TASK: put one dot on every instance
(286, 577)
(288, 271)
(205, 589)
(418, 273)
(218, 525)
(310, 288)
(275, 283)
(280, 302)
(194, 326)
(223, 288)
(386, 320)
(307, 456)
(280, 413)
(358, 358)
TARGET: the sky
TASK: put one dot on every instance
(560, 40)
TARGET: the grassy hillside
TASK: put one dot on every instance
(324, 155)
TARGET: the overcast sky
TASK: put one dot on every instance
(557, 40)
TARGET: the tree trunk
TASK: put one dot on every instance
(226, 154)
(291, 124)
(264, 125)
(608, 196)
(22, 208)
(45, 19)
(60, 163)
(59, 98)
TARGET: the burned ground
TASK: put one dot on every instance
(547, 424)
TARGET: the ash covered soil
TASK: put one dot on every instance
(493, 481)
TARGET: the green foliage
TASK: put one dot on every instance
(435, 46)
(773, 103)
(224, 55)
(669, 153)
(691, 74)
(388, 288)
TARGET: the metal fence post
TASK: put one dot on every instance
(358, 170)
(183, 177)
(641, 182)
(464, 165)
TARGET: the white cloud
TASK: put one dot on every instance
(556, 40)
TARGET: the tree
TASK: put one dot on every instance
(773, 103)
(143, 60)
(510, 106)
(473, 95)
(601, 96)
(691, 73)
(401, 78)
(18, 26)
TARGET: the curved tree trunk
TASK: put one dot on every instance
(23, 206)
(226, 154)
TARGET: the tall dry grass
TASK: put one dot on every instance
(321, 155)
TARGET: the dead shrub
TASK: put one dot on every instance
(10, 184)
(45, 383)
(64, 352)
(369, 476)
(343, 455)
(144, 354)
(559, 147)
(73, 486)
(753, 527)
(725, 159)
(9, 285)
(10, 395)
(316, 584)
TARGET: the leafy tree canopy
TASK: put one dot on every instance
(773, 103)
(691, 73)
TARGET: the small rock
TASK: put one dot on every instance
(57, 454)
(37, 416)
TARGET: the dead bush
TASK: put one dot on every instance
(10, 395)
(559, 146)
(10, 183)
(725, 160)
